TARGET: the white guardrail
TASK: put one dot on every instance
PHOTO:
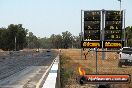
(50, 81)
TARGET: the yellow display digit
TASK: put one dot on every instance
(112, 36)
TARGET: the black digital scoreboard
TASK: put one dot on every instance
(92, 22)
(113, 29)
(108, 33)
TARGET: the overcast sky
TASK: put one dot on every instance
(46, 17)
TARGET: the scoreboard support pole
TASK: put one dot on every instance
(81, 34)
(125, 30)
(103, 13)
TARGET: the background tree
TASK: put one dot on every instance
(59, 41)
(56, 41)
(18, 32)
(129, 35)
(8, 36)
(4, 39)
(53, 40)
(76, 42)
(67, 39)
(45, 43)
(64, 40)
(32, 41)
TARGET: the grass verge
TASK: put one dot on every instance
(68, 70)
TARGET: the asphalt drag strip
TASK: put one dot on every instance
(27, 78)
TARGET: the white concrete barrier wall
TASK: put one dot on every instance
(50, 81)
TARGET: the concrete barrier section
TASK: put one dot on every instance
(50, 81)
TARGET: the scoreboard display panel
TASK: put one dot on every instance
(113, 29)
(92, 16)
(92, 25)
(114, 15)
(92, 35)
(113, 35)
(92, 20)
(113, 25)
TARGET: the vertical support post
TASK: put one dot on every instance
(28, 42)
(96, 64)
(103, 32)
(121, 20)
(15, 43)
(120, 4)
(96, 61)
(96, 51)
(125, 30)
(81, 34)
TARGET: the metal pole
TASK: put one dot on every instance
(81, 33)
(120, 5)
(15, 43)
(125, 30)
(96, 61)
(121, 19)
(103, 32)
(96, 65)
(28, 43)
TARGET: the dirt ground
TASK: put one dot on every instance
(107, 66)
